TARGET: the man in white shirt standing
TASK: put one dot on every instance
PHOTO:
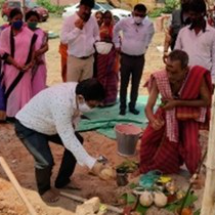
(137, 34)
(80, 31)
(50, 116)
(198, 39)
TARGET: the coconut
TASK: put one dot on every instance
(146, 199)
(84, 209)
(160, 199)
(94, 202)
(107, 173)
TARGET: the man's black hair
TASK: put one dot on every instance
(31, 13)
(14, 12)
(198, 6)
(89, 3)
(91, 89)
(140, 8)
(179, 55)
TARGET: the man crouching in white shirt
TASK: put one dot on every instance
(50, 116)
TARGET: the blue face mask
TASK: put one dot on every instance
(17, 24)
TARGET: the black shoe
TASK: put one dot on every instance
(11, 120)
(61, 183)
(84, 117)
(134, 111)
(122, 112)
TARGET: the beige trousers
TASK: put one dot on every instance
(79, 69)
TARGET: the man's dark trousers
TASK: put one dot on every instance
(131, 66)
(38, 145)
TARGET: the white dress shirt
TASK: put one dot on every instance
(199, 47)
(80, 42)
(135, 38)
(50, 112)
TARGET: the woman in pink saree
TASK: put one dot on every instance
(17, 50)
(39, 70)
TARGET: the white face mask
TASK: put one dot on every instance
(83, 107)
(138, 20)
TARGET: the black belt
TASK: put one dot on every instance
(132, 56)
(85, 57)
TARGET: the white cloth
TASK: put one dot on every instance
(199, 47)
(80, 42)
(162, 82)
(135, 38)
(51, 112)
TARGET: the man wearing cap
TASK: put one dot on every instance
(80, 31)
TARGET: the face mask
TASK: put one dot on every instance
(138, 20)
(197, 21)
(17, 24)
(83, 107)
(32, 25)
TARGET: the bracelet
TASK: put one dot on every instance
(102, 159)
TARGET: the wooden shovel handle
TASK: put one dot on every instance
(17, 186)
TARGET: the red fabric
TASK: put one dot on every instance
(107, 67)
(108, 76)
(191, 91)
(63, 52)
(158, 153)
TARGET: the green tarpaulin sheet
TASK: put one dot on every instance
(103, 120)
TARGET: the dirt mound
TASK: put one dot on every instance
(7, 210)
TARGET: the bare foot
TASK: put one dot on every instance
(50, 196)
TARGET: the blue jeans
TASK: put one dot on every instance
(38, 145)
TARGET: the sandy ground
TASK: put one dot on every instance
(21, 162)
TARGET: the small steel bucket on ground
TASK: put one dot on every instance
(127, 136)
(121, 177)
